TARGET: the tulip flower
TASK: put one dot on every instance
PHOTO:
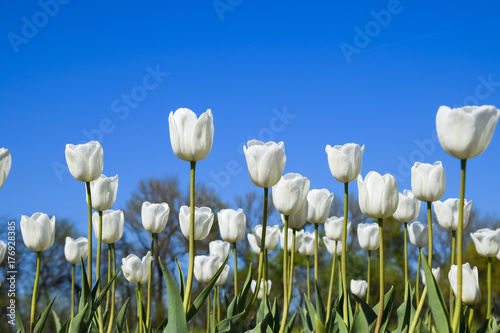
(319, 203)
(464, 133)
(378, 195)
(298, 239)
(471, 293)
(104, 190)
(333, 228)
(204, 219)
(487, 244)
(232, 224)
(223, 276)
(290, 193)
(261, 289)
(368, 236)
(265, 161)
(345, 161)
(252, 241)
(3, 249)
(75, 251)
(418, 234)
(358, 287)
(333, 247)
(447, 213)
(112, 225)
(191, 137)
(467, 131)
(297, 221)
(307, 248)
(220, 248)
(5, 164)
(38, 233)
(205, 267)
(435, 271)
(428, 181)
(272, 236)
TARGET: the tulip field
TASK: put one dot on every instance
(463, 133)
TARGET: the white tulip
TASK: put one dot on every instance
(223, 276)
(447, 213)
(359, 287)
(378, 195)
(319, 203)
(103, 191)
(136, 270)
(5, 164)
(112, 225)
(408, 207)
(38, 231)
(487, 242)
(76, 250)
(330, 246)
(290, 193)
(265, 161)
(435, 271)
(232, 224)
(3, 249)
(154, 216)
(471, 293)
(203, 220)
(298, 220)
(418, 234)
(205, 267)
(368, 236)
(428, 181)
(220, 249)
(334, 227)
(85, 161)
(298, 239)
(272, 237)
(345, 161)
(253, 285)
(307, 246)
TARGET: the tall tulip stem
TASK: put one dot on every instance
(218, 303)
(89, 255)
(139, 306)
(308, 267)
(344, 250)
(213, 312)
(292, 259)
(368, 278)
(148, 305)
(429, 225)
(488, 309)
(189, 284)
(235, 270)
(406, 258)
(330, 290)
(72, 291)
(109, 278)
(417, 285)
(208, 314)
(35, 290)
(416, 317)
(285, 276)
(453, 250)
(381, 267)
(98, 272)
(112, 313)
(265, 273)
(316, 237)
(460, 233)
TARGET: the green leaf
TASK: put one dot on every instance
(19, 323)
(181, 279)
(340, 322)
(360, 323)
(406, 311)
(436, 300)
(45, 314)
(120, 320)
(318, 325)
(176, 318)
(104, 290)
(78, 319)
(57, 322)
(289, 326)
(388, 303)
(320, 308)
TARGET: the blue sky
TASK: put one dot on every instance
(308, 74)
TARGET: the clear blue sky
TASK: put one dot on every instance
(308, 74)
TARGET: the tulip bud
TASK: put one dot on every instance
(272, 235)
(220, 249)
(3, 249)
(191, 137)
(290, 193)
(136, 270)
(428, 181)
(330, 246)
(223, 275)
(435, 271)
(76, 250)
(253, 285)
(112, 225)
(447, 213)
(487, 242)
(418, 234)
(154, 216)
(298, 239)
(359, 287)
(319, 203)
(298, 220)
(38, 231)
(471, 294)
(307, 246)
(103, 191)
(205, 267)
(203, 220)
(345, 161)
(408, 207)
(265, 161)
(378, 195)
(368, 236)
(232, 224)
(5, 163)
(334, 227)
(467, 131)
(85, 161)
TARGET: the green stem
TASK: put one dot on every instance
(406, 258)
(330, 290)
(89, 255)
(340, 277)
(290, 278)
(213, 313)
(460, 232)
(368, 279)
(316, 237)
(72, 291)
(218, 303)
(139, 305)
(112, 313)
(235, 270)
(344, 250)
(148, 306)
(98, 272)
(471, 316)
(261, 255)
(417, 285)
(265, 273)
(308, 282)
(429, 228)
(417, 312)
(109, 278)
(189, 284)
(381, 267)
(285, 276)
(453, 247)
(488, 309)
(35, 290)
(208, 315)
